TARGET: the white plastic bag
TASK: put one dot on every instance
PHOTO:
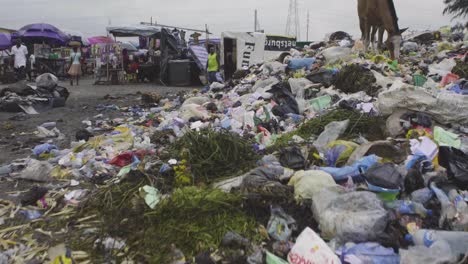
(349, 217)
(446, 108)
(188, 111)
(335, 54)
(310, 248)
(37, 171)
(331, 133)
(443, 68)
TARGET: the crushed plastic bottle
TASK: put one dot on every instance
(408, 207)
(458, 241)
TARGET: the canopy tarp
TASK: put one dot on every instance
(134, 31)
(100, 40)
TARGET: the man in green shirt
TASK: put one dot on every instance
(212, 65)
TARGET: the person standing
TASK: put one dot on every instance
(212, 65)
(20, 53)
(75, 66)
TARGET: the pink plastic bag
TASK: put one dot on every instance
(449, 78)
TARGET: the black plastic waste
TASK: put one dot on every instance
(339, 35)
(292, 158)
(325, 77)
(83, 134)
(414, 180)
(234, 240)
(384, 175)
(287, 104)
(456, 163)
(420, 119)
(33, 195)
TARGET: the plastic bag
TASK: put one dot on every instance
(310, 248)
(44, 148)
(298, 86)
(320, 103)
(456, 163)
(47, 80)
(292, 158)
(368, 253)
(331, 133)
(349, 217)
(446, 108)
(281, 225)
(300, 63)
(272, 259)
(188, 111)
(443, 68)
(355, 170)
(445, 138)
(335, 54)
(385, 176)
(306, 183)
(323, 76)
(151, 195)
(338, 152)
(273, 67)
(36, 171)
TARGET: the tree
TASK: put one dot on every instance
(457, 8)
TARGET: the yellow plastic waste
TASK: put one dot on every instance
(60, 173)
(63, 260)
(349, 149)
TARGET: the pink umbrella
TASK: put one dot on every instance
(100, 40)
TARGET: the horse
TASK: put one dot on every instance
(380, 15)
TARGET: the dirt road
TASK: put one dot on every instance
(17, 136)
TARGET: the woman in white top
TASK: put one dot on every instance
(75, 65)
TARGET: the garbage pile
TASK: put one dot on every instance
(350, 159)
(45, 94)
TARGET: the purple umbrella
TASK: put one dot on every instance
(42, 32)
(5, 41)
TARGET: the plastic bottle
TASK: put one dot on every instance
(409, 207)
(459, 202)
(49, 125)
(458, 241)
(448, 210)
(461, 222)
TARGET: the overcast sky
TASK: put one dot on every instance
(92, 16)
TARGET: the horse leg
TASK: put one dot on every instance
(380, 41)
(367, 29)
(362, 25)
(373, 32)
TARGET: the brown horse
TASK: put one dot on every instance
(380, 15)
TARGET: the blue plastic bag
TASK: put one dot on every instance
(359, 167)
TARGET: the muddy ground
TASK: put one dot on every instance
(17, 137)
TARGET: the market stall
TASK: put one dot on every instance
(167, 57)
(47, 43)
(135, 65)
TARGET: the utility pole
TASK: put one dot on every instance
(292, 23)
(255, 21)
(308, 17)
